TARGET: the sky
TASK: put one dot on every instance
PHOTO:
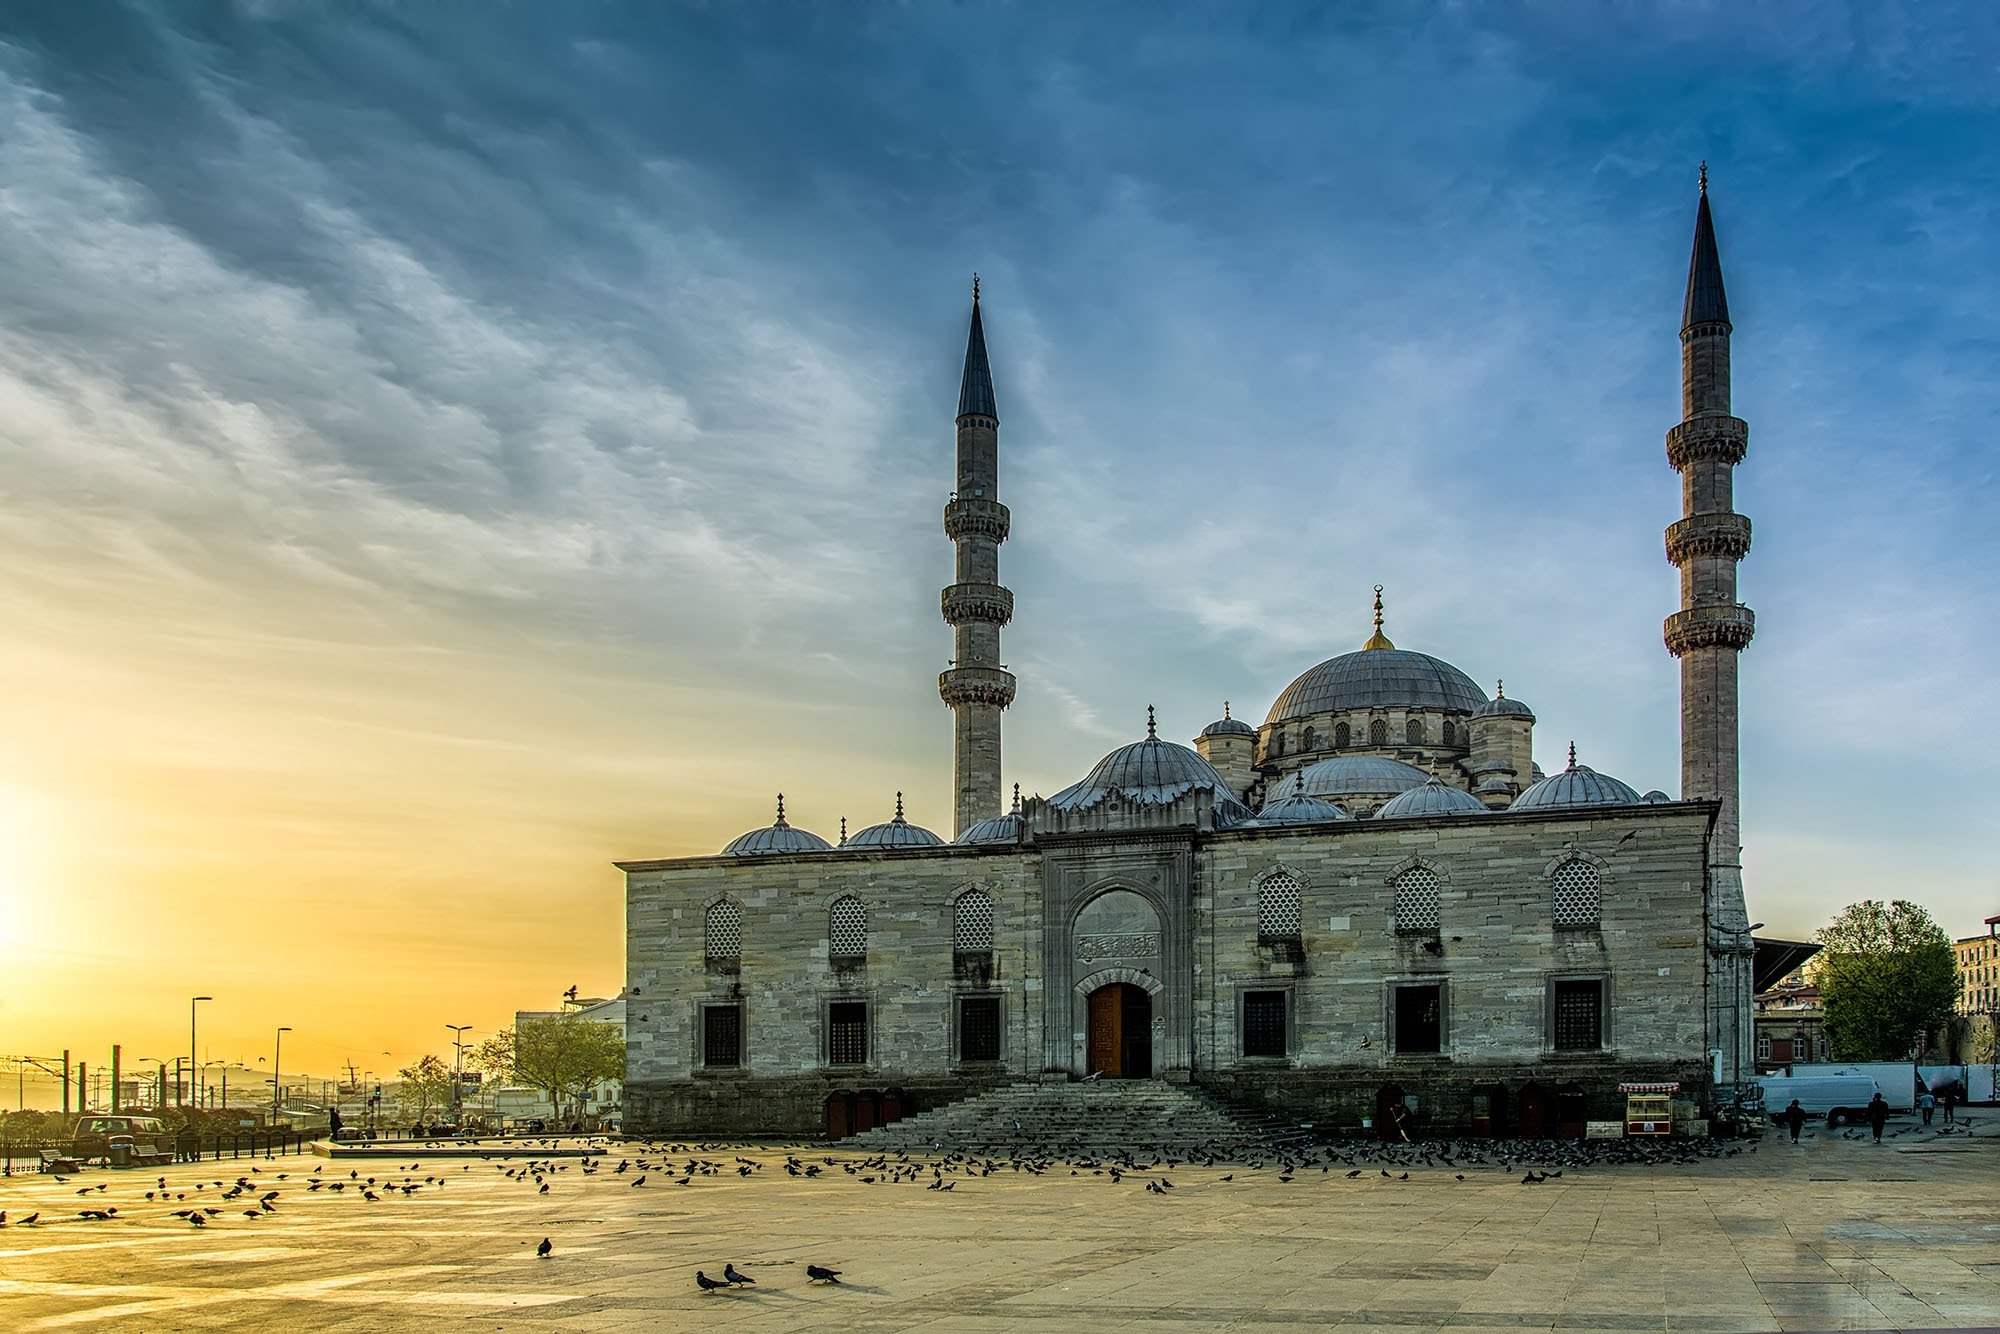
(447, 447)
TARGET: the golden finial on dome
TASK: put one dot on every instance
(1378, 639)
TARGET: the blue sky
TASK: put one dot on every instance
(452, 445)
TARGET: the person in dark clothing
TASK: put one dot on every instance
(333, 1123)
(1794, 1118)
(1950, 1101)
(1878, 1116)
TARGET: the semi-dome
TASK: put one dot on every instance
(894, 833)
(1502, 707)
(1359, 776)
(776, 838)
(1435, 797)
(1578, 785)
(1152, 773)
(999, 829)
(1295, 807)
(1228, 726)
(1655, 797)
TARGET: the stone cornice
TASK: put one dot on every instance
(976, 685)
(1708, 437)
(977, 518)
(1721, 625)
(1723, 534)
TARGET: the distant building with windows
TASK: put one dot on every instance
(1373, 897)
(1791, 1024)
(1978, 959)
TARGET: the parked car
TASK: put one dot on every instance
(150, 1136)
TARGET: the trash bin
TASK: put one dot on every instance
(119, 1150)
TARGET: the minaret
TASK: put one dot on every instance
(975, 605)
(1712, 627)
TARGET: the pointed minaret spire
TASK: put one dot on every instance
(978, 685)
(1706, 301)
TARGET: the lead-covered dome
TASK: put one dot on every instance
(1578, 785)
(894, 833)
(999, 829)
(1359, 776)
(1152, 773)
(1377, 678)
(1435, 797)
(1296, 807)
(1228, 726)
(776, 838)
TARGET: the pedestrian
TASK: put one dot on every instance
(1950, 1101)
(1878, 1115)
(333, 1124)
(1926, 1104)
(1794, 1118)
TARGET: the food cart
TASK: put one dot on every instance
(1649, 1108)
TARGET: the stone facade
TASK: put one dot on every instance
(1191, 939)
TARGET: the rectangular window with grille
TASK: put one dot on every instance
(1263, 1023)
(722, 1036)
(979, 1028)
(1763, 1048)
(1579, 1015)
(847, 1033)
(1419, 1019)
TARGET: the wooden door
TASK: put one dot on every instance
(1107, 1031)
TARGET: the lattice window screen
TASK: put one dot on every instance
(1577, 901)
(723, 925)
(972, 923)
(1417, 900)
(847, 929)
(1378, 733)
(1278, 906)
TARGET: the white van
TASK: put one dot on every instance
(1841, 1099)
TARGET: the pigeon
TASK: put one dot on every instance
(707, 1284)
(197, 1219)
(729, 1272)
(32, 1217)
(544, 1249)
(821, 1274)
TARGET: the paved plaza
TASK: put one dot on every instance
(1837, 1233)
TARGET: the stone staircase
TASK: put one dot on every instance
(1136, 1116)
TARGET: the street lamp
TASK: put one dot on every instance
(225, 1076)
(277, 1058)
(458, 1032)
(193, 1057)
(160, 1089)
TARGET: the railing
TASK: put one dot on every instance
(26, 1151)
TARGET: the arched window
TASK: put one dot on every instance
(1450, 733)
(972, 923)
(847, 929)
(1278, 907)
(1413, 732)
(1277, 744)
(1378, 733)
(1417, 900)
(1310, 739)
(722, 925)
(1576, 899)
(1343, 736)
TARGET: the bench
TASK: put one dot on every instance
(55, 1160)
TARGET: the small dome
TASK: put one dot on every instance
(1000, 829)
(1296, 807)
(776, 838)
(895, 833)
(1228, 726)
(1655, 797)
(1435, 797)
(1502, 707)
(1152, 773)
(1359, 776)
(1578, 785)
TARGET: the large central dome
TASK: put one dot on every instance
(1377, 678)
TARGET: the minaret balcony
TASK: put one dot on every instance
(1711, 436)
(1718, 625)
(976, 685)
(977, 602)
(1721, 535)
(976, 518)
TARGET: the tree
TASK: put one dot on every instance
(1886, 974)
(564, 1056)
(425, 1085)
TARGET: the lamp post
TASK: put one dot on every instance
(193, 1052)
(160, 1087)
(277, 1059)
(225, 1075)
(458, 1032)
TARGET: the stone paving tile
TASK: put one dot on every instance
(1751, 1243)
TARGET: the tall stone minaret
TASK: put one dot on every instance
(1712, 627)
(975, 605)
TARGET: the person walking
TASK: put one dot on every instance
(1794, 1118)
(1878, 1115)
(1950, 1102)
(1927, 1103)
(333, 1124)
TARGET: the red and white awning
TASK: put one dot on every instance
(1649, 1088)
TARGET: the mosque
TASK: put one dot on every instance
(1374, 896)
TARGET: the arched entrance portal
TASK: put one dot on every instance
(1121, 1032)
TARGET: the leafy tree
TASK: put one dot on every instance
(564, 1056)
(1885, 973)
(426, 1085)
